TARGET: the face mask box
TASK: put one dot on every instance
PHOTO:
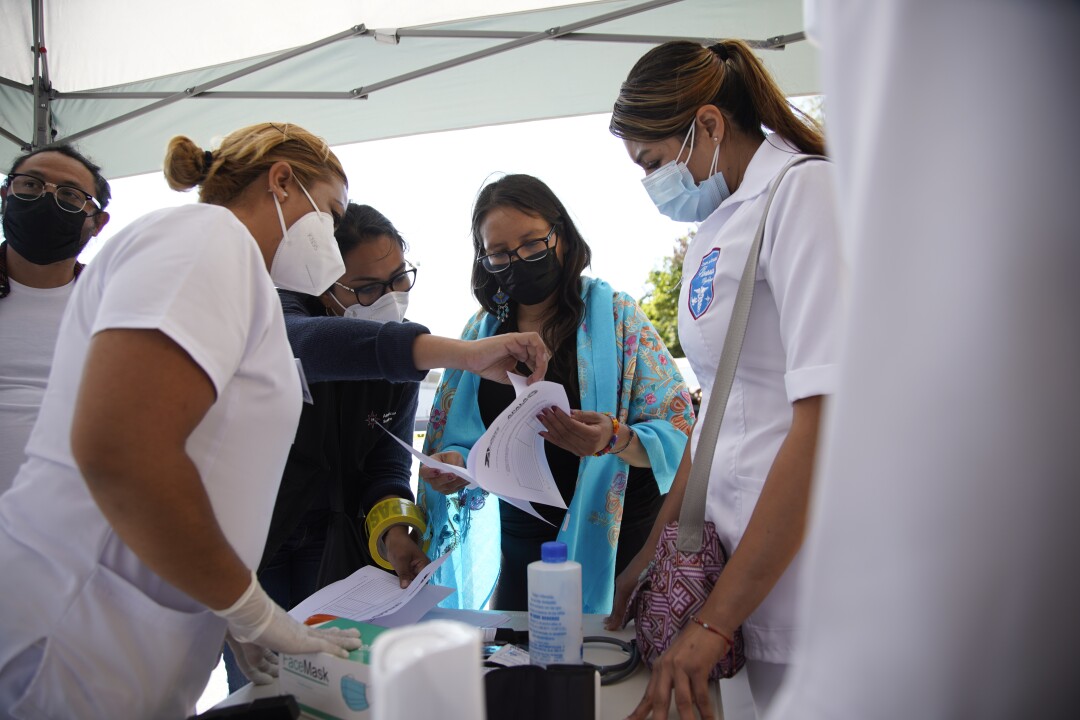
(331, 687)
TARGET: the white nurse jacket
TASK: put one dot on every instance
(789, 352)
(86, 629)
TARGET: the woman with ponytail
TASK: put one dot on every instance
(712, 131)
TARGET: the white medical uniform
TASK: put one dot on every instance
(789, 352)
(940, 578)
(99, 633)
(29, 323)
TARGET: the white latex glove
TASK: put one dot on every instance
(258, 664)
(256, 619)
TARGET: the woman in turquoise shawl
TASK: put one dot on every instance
(621, 447)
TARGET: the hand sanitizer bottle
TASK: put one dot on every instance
(555, 633)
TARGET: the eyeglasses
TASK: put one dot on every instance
(529, 251)
(70, 199)
(370, 292)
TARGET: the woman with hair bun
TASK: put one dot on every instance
(151, 473)
(712, 131)
(130, 534)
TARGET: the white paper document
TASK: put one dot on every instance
(508, 460)
(371, 593)
(417, 609)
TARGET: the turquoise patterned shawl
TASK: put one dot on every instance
(624, 369)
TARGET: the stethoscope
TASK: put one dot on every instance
(609, 674)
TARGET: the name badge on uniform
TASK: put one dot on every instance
(701, 287)
(303, 383)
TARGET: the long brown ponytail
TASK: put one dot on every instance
(665, 88)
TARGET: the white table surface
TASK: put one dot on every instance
(616, 701)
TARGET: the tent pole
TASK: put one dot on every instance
(17, 85)
(42, 88)
(549, 34)
(355, 31)
(13, 138)
(8, 82)
(774, 43)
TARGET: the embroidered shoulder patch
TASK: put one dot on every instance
(701, 287)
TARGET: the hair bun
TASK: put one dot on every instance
(185, 163)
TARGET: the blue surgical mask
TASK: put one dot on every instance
(675, 193)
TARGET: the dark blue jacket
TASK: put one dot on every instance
(358, 373)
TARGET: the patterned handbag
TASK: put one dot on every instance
(673, 588)
(678, 581)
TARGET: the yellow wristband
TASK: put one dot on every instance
(385, 515)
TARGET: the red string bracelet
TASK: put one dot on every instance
(710, 628)
(629, 439)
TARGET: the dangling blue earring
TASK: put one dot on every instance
(502, 307)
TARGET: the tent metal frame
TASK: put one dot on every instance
(44, 94)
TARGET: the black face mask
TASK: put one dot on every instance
(41, 232)
(529, 283)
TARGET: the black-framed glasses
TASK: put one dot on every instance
(529, 251)
(369, 292)
(70, 199)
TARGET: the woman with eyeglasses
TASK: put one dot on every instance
(363, 362)
(130, 537)
(53, 202)
(613, 458)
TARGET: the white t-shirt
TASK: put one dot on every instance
(29, 323)
(196, 274)
(789, 352)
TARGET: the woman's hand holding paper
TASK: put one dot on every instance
(441, 482)
(584, 433)
(492, 358)
(404, 553)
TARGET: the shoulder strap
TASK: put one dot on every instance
(692, 514)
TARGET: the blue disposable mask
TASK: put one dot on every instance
(675, 193)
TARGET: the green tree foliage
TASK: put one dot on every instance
(661, 302)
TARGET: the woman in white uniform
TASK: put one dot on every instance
(696, 114)
(128, 537)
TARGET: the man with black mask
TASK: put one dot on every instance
(53, 201)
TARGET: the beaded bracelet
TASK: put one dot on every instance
(710, 628)
(614, 437)
(629, 439)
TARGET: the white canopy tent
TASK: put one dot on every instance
(120, 78)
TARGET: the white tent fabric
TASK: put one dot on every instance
(554, 62)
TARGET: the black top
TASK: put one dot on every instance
(340, 459)
(495, 397)
(641, 488)
(522, 534)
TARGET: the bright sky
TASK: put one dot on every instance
(426, 185)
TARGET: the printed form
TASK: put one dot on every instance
(508, 460)
(371, 593)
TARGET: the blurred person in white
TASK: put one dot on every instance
(941, 570)
(53, 201)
